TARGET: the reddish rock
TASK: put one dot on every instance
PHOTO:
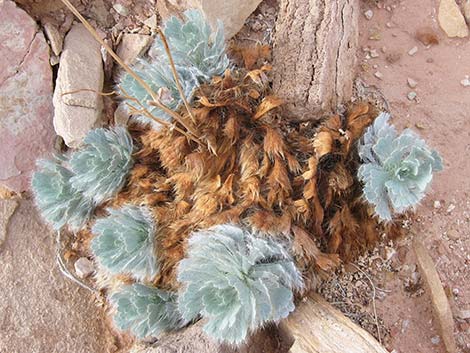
(25, 97)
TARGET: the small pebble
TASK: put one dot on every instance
(389, 24)
(412, 95)
(369, 14)
(450, 208)
(435, 340)
(413, 51)
(466, 81)
(84, 267)
(379, 75)
(456, 292)
(383, 49)
(412, 83)
(374, 54)
(437, 204)
(121, 9)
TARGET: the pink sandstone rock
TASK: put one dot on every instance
(26, 131)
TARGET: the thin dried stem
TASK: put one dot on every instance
(90, 90)
(175, 74)
(126, 67)
(379, 336)
(145, 112)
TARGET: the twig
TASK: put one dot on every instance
(126, 67)
(175, 75)
(373, 301)
(90, 90)
(63, 268)
(145, 112)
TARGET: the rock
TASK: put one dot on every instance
(121, 115)
(437, 204)
(232, 13)
(411, 95)
(411, 83)
(466, 81)
(55, 38)
(466, 10)
(374, 54)
(84, 267)
(132, 46)
(25, 97)
(440, 304)
(369, 14)
(80, 68)
(151, 22)
(435, 340)
(42, 310)
(450, 208)
(413, 51)
(7, 208)
(451, 19)
(379, 75)
(121, 9)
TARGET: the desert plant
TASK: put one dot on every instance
(124, 242)
(198, 55)
(145, 311)
(194, 45)
(160, 79)
(236, 281)
(396, 169)
(58, 202)
(101, 166)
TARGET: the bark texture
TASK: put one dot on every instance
(317, 327)
(314, 54)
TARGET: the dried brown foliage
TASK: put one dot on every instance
(280, 177)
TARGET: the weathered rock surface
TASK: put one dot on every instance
(7, 208)
(451, 19)
(315, 54)
(80, 68)
(193, 339)
(55, 38)
(25, 97)
(232, 13)
(132, 46)
(41, 310)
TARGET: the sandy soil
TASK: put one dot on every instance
(440, 113)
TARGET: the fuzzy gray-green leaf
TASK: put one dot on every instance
(57, 200)
(145, 311)
(396, 169)
(101, 166)
(124, 242)
(236, 281)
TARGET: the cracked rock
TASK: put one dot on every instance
(132, 46)
(77, 104)
(25, 97)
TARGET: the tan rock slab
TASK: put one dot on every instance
(441, 308)
(132, 46)
(451, 19)
(77, 102)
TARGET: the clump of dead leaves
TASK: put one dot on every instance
(295, 180)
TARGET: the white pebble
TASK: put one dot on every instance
(450, 208)
(84, 267)
(412, 83)
(369, 14)
(413, 51)
(437, 204)
(374, 54)
(379, 75)
(121, 9)
(466, 81)
(412, 95)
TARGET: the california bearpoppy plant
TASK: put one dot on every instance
(210, 204)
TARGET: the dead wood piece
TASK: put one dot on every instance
(317, 327)
(440, 304)
(315, 54)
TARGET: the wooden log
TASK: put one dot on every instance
(314, 55)
(317, 327)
